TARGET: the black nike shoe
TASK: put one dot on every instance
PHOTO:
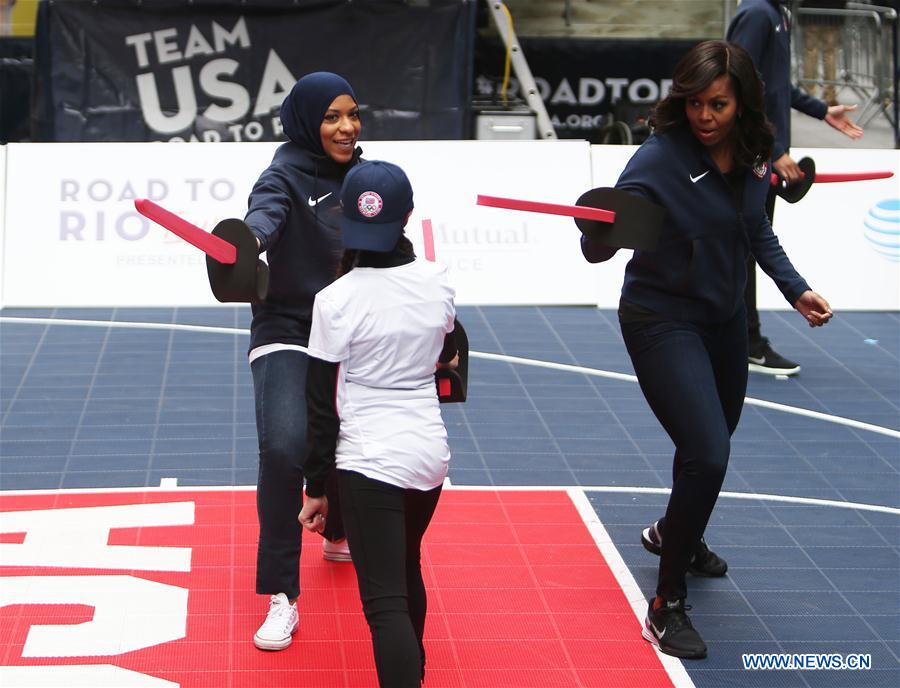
(705, 562)
(670, 629)
(651, 539)
(764, 359)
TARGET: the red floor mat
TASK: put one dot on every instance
(519, 595)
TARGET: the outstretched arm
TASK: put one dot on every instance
(268, 207)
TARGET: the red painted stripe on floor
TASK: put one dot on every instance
(519, 595)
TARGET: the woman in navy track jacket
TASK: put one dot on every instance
(682, 310)
(294, 211)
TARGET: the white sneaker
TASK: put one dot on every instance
(280, 624)
(336, 551)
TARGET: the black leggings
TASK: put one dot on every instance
(694, 378)
(385, 525)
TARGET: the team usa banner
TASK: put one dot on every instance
(218, 70)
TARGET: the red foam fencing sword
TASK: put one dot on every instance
(797, 190)
(832, 177)
(581, 211)
(211, 245)
(613, 217)
(236, 275)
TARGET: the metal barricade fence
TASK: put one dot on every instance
(847, 49)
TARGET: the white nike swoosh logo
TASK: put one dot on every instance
(757, 361)
(698, 177)
(657, 632)
(318, 200)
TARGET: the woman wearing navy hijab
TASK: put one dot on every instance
(294, 212)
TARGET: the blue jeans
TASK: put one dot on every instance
(279, 386)
(694, 378)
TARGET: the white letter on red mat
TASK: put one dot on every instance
(77, 538)
(129, 613)
(78, 676)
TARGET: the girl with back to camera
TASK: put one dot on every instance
(377, 334)
(682, 311)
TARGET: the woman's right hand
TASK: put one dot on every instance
(787, 169)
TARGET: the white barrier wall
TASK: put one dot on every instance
(825, 234)
(71, 236)
(74, 238)
(844, 238)
(500, 256)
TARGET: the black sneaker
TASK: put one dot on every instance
(651, 539)
(705, 562)
(764, 359)
(670, 629)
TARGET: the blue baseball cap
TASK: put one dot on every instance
(376, 198)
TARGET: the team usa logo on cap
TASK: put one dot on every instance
(369, 204)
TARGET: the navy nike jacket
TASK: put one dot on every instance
(761, 28)
(699, 270)
(294, 210)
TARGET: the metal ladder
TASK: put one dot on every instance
(519, 64)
